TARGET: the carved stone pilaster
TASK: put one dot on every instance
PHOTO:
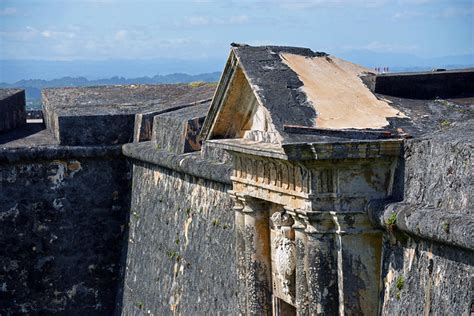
(321, 264)
(359, 258)
(301, 283)
(240, 251)
(257, 259)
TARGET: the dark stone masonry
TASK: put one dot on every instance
(300, 184)
(62, 229)
(12, 109)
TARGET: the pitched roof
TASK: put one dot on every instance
(293, 98)
(289, 86)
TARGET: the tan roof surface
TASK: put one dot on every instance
(337, 93)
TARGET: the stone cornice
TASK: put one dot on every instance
(353, 149)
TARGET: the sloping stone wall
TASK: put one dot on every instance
(62, 222)
(181, 255)
(429, 249)
(427, 278)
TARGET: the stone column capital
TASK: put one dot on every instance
(253, 205)
(319, 222)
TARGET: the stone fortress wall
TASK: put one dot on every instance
(63, 219)
(428, 250)
(72, 232)
(151, 222)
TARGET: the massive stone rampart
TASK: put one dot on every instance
(429, 244)
(181, 255)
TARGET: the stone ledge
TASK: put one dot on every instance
(426, 222)
(11, 155)
(191, 163)
(353, 149)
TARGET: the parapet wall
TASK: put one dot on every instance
(426, 85)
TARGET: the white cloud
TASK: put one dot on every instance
(406, 15)
(456, 12)
(57, 34)
(414, 2)
(205, 20)
(121, 35)
(46, 33)
(447, 13)
(8, 11)
(307, 4)
(385, 47)
(24, 34)
(74, 28)
(390, 47)
(198, 20)
(238, 19)
(29, 33)
(260, 43)
(98, 1)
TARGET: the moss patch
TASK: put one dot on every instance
(392, 220)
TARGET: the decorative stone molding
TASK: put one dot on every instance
(283, 254)
(279, 219)
(285, 262)
(317, 226)
(273, 175)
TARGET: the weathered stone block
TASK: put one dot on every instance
(106, 115)
(178, 131)
(12, 109)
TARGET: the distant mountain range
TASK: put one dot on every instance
(15, 70)
(33, 86)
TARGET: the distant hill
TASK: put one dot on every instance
(33, 86)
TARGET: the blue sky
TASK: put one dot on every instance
(202, 29)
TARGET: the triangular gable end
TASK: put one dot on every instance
(236, 111)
